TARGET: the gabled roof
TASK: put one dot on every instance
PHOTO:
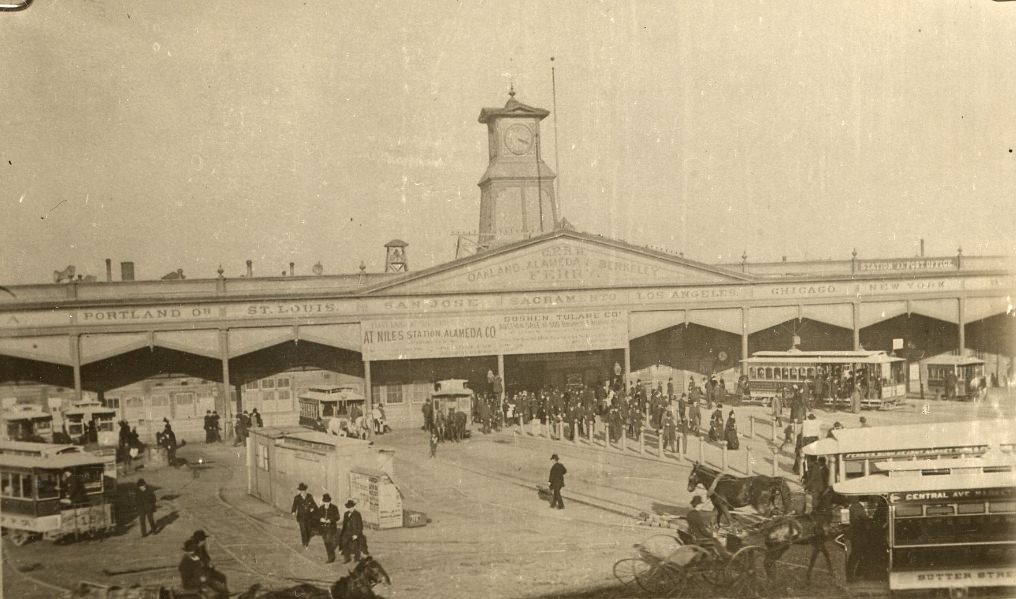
(582, 259)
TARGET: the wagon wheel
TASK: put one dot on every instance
(624, 571)
(745, 572)
(659, 578)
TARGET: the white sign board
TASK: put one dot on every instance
(492, 334)
(377, 498)
(897, 343)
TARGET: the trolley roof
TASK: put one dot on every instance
(954, 361)
(89, 408)
(452, 388)
(36, 449)
(25, 412)
(51, 462)
(876, 484)
(915, 436)
(822, 357)
(333, 393)
(995, 469)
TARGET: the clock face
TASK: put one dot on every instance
(518, 139)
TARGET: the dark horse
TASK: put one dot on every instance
(359, 584)
(813, 529)
(726, 491)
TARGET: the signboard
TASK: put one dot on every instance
(489, 334)
(897, 343)
(953, 495)
(377, 498)
(973, 577)
(907, 265)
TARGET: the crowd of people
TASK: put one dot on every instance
(609, 406)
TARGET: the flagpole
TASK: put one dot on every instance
(557, 167)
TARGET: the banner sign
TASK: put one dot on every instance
(489, 334)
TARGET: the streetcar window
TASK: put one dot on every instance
(970, 508)
(786, 373)
(751, 372)
(811, 372)
(940, 510)
(953, 529)
(793, 373)
(998, 507)
(853, 468)
(908, 511)
(776, 373)
(92, 479)
(47, 485)
(16, 485)
(327, 410)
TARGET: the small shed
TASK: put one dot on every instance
(279, 459)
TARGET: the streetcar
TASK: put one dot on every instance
(774, 373)
(454, 401)
(24, 422)
(958, 377)
(90, 422)
(319, 405)
(942, 527)
(35, 500)
(857, 452)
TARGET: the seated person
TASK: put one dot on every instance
(699, 530)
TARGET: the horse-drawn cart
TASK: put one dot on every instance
(673, 566)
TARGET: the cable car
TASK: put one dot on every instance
(319, 405)
(943, 527)
(27, 423)
(772, 373)
(35, 500)
(955, 377)
(453, 397)
(78, 418)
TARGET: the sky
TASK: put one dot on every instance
(188, 135)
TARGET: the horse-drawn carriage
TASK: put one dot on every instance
(683, 565)
(675, 566)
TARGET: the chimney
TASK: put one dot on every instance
(109, 270)
(250, 269)
(292, 265)
(126, 271)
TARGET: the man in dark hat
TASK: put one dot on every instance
(351, 539)
(144, 501)
(304, 509)
(73, 491)
(557, 472)
(699, 529)
(328, 520)
(215, 579)
(194, 576)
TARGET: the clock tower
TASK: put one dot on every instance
(517, 191)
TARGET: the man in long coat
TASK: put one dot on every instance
(304, 508)
(557, 472)
(351, 539)
(328, 521)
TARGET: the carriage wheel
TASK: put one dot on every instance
(624, 571)
(659, 579)
(745, 572)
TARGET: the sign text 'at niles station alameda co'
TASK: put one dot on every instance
(492, 334)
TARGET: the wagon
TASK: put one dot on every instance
(674, 566)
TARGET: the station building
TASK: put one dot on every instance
(534, 300)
